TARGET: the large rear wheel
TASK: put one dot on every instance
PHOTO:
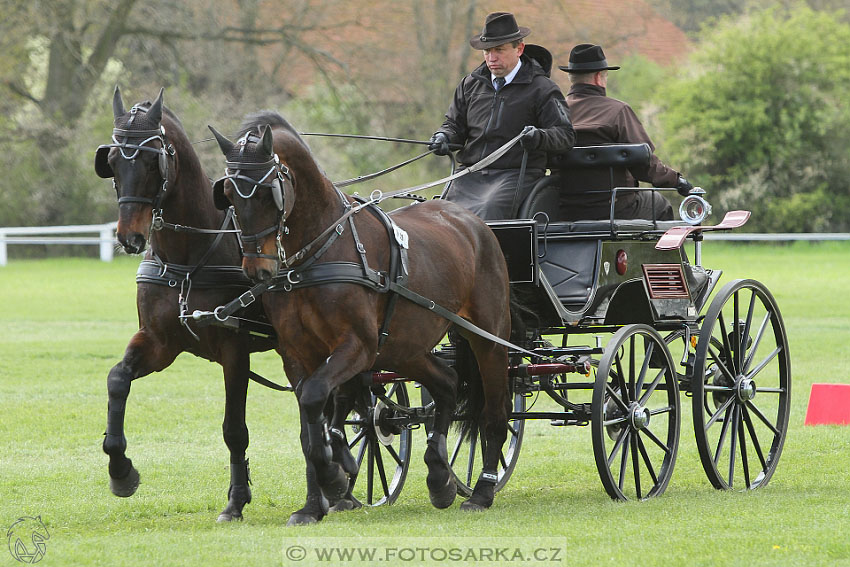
(635, 414)
(741, 387)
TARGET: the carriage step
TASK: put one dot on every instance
(565, 422)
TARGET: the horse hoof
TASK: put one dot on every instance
(470, 506)
(126, 486)
(350, 503)
(301, 519)
(229, 517)
(444, 497)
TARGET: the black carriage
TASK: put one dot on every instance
(635, 281)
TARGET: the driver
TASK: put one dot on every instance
(508, 92)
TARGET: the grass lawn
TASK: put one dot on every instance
(64, 323)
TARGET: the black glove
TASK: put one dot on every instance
(684, 187)
(439, 144)
(531, 137)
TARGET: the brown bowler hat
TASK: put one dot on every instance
(499, 28)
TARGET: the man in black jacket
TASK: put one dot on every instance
(507, 94)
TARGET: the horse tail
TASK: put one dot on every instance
(470, 389)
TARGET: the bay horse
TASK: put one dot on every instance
(348, 325)
(164, 201)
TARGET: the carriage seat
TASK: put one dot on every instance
(545, 196)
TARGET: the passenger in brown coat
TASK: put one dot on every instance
(600, 120)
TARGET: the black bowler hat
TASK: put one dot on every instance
(587, 58)
(499, 28)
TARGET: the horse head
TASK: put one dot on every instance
(141, 162)
(261, 189)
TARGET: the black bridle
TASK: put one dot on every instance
(132, 142)
(278, 179)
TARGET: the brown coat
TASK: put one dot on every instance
(600, 120)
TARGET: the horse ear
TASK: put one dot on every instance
(155, 111)
(223, 143)
(268, 141)
(117, 103)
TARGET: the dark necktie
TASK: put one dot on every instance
(500, 82)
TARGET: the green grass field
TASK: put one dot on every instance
(64, 323)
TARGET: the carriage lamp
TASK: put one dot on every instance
(622, 262)
(694, 209)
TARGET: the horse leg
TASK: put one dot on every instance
(343, 402)
(322, 472)
(315, 443)
(236, 365)
(441, 385)
(493, 364)
(140, 358)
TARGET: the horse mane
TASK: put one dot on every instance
(255, 120)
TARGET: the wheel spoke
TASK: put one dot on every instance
(382, 473)
(757, 340)
(721, 323)
(632, 392)
(764, 420)
(658, 411)
(723, 431)
(657, 441)
(756, 445)
(357, 438)
(744, 461)
(721, 364)
(643, 369)
(621, 438)
(464, 431)
(473, 447)
(652, 386)
(617, 400)
(393, 454)
(764, 362)
(620, 376)
(370, 472)
(636, 463)
(647, 461)
(736, 335)
(733, 444)
(624, 459)
(720, 410)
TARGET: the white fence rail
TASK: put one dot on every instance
(106, 237)
(48, 235)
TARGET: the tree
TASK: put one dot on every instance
(760, 118)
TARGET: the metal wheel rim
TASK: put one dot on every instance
(741, 408)
(638, 463)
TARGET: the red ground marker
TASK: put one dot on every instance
(829, 404)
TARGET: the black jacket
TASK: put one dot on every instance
(483, 120)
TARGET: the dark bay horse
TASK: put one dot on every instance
(328, 332)
(164, 200)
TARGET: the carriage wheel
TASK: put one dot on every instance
(635, 414)
(465, 446)
(741, 404)
(376, 435)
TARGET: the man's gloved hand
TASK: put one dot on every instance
(531, 137)
(684, 187)
(439, 144)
